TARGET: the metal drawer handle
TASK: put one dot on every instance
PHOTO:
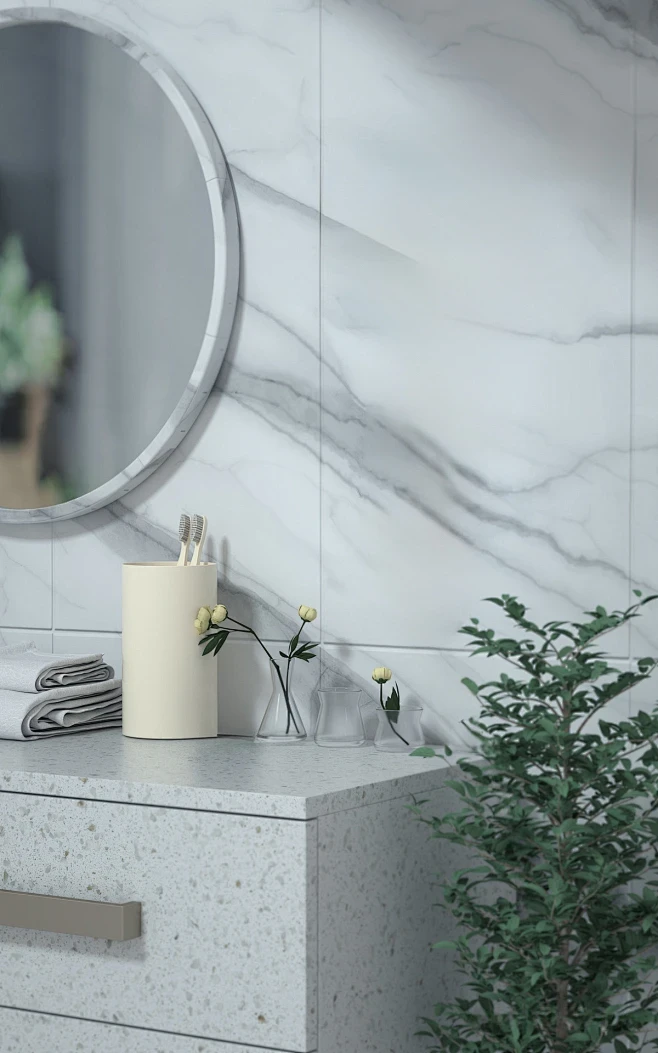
(76, 917)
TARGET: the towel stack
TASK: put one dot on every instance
(42, 695)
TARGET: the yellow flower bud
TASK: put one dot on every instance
(307, 614)
(219, 614)
(202, 620)
(382, 674)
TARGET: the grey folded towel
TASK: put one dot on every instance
(23, 668)
(60, 711)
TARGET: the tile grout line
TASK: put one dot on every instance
(632, 378)
(320, 327)
(332, 647)
(318, 981)
(52, 586)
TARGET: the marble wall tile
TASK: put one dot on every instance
(244, 682)
(87, 557)
(42, 640)
(433, 679)
(251, 462)
(107, 644)
(477, 195)
(26, 577)
(645, 345)
(476, 381)
(644, 507)
(245, 687)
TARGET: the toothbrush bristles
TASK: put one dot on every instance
(197, 529)
(184, 528)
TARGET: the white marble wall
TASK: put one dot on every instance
(442, 379)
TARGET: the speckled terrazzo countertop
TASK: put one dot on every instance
(301, 781)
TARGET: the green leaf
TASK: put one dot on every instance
(425, 751)
(471, 685)
(295, 639)
(392, 704)
(306, 647)
(554, 807)
(220, 640)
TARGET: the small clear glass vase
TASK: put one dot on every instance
(281, 723)
(339, 720)
(399, 730)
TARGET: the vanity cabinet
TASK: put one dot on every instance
(21, 1032)
(286, 894)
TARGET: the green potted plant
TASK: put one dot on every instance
(558, 912)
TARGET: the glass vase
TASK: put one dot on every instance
(399, 730)
(281, 723)
(339, 720)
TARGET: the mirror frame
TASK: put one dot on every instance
(226, 237)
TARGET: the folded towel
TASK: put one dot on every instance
(60, 711)
(23, 668)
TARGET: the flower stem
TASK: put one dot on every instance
(287, 687)
(284, 686)
(390, 722)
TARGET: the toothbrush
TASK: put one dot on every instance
(184, 527)
(199, 526)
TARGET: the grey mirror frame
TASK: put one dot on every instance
(226, 238)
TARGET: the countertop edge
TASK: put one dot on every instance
(232, 802)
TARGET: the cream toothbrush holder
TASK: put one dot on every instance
(169, 688)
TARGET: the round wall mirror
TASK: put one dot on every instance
(118, 263)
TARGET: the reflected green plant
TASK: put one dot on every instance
(32, 340)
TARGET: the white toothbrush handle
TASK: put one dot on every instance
(194, 562)
(182, 559)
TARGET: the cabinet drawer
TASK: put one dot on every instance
(228, 919)
(34, 1033)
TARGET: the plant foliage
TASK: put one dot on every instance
(558, 914)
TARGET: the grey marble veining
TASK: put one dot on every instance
(451, 418)
(644, 638)
(299, 781)
(449, 448)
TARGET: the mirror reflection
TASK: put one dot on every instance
(106, 262)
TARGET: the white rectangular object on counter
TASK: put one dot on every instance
(169, 686)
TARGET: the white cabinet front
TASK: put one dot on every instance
(228, 945)
(35, 1033)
